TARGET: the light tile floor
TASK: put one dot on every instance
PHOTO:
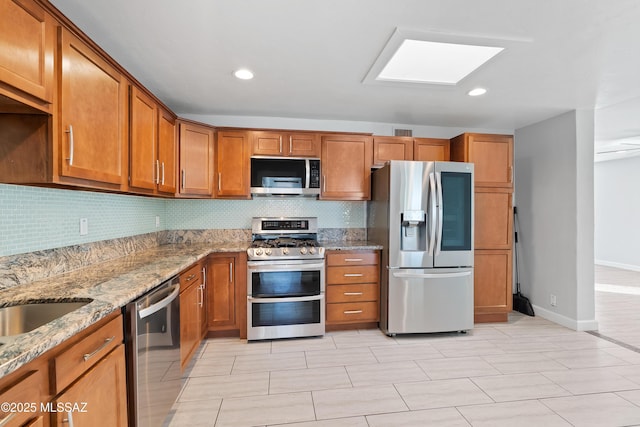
(527, 372)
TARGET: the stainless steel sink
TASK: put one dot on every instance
(19, 319)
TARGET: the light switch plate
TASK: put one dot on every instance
(84, 226)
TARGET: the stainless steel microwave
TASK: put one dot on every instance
(280, 176)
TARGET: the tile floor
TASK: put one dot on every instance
(527, 372)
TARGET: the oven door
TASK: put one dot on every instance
(285, 299)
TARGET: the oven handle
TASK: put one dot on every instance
(285, 299)
(148, 311)
(259, 268)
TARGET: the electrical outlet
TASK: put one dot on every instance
(553, 300)
(157, 221)
(84, 226)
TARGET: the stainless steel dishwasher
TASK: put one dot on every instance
(152, 343)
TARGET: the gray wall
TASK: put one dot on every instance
(617, 209)
(554, 196)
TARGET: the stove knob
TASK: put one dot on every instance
(285, 251)
(312, 251)
(267, 251)
(303, 250)
(258, 252)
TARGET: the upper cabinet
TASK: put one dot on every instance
(28, 37)
(92, 131)
(346, 167)
(153, 148)
(196, 159)
(492, 156)
(293, 144)
(387, 148)
(232, 165)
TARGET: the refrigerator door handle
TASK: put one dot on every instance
(431, 275)
(432, 214)
(440, 213)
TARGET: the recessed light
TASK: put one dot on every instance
(477, 91)
(243, 74)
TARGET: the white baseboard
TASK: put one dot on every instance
(617, 265)
(576, 325)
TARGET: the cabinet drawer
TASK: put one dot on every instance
(79, 357)
(27, 390)
(355, 274)
(352, 312)
(352, 258)
(193, 275)
(350, 293)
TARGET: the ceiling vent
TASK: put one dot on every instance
(402, 132)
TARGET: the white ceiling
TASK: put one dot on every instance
(310, 58)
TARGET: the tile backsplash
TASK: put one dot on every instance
(35, 218)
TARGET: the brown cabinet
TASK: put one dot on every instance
(232, 165)
(353, 289)
(431, 149)
(143, 150)
(196, 159)
(294, 144)
(29, 388)
(226, 294)
(26, 54)
(93, 99)
(346, 167)
(167, 152)
(492, 156)
(190, 311)
(103, 389)
(387, 148)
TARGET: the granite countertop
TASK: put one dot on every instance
(110, 285)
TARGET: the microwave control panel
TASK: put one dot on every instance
(314, 173)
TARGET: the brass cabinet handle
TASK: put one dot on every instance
(324, 183)
(219, 182)
(353, 260)
(353, 275)
(352, 311)
(350, 294)
(290, 143)
(230, 272)
(106, 342)
(280, 144)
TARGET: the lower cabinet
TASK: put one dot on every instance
(226, 294)
(80, 382)
(353, 289)
(191, 302)
(492, 293)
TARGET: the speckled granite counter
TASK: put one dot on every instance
(110, 285)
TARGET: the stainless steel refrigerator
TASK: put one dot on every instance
(422, 214)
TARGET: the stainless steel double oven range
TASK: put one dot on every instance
(285, 279)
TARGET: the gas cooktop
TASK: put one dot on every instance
(284, 238)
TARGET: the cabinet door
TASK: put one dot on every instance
(27, 29)
(196, 159)
(267, 143)
(189, 323)
(303, 145)
(202, 304)
(391, 148)
(346, 167)
(30, 388)
(93, 96)
(103, 389)
(431, 149)
(493, 219)
(144, 170)
(492, 156)
(221, 293)
(493, 294)
(167, 152)
(232, 161)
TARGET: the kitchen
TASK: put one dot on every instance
(114, 216)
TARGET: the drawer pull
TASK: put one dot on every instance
(352, 311)
(106, 342)
(191, 277)
(68, 420)
(353, 275)
(353, 260)
(350, 294)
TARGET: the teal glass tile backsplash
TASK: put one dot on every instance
(222, 214)
(33, 218)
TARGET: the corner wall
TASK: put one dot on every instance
(554, 196)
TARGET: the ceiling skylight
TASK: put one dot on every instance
(423, 61)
